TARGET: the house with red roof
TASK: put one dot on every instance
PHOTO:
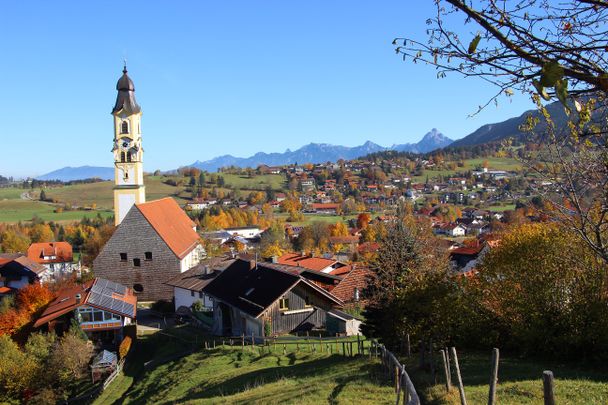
(57, 257)
(155, 242)
(352, 285)
(17, 271)
(101, 308)
(319, 264)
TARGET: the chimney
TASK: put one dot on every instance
(78, 298)
(205, 269)
(275, 259)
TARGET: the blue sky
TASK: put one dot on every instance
(214, 78)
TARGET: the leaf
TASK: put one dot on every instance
(551, 73)
(541, 90)
(561, 90)
(474, 43)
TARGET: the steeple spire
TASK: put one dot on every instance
(125, 100)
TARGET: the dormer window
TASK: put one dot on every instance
(124, 127)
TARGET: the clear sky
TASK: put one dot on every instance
(224, 77)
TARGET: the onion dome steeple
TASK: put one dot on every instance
(126, 95)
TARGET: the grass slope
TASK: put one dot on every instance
(229, 375)
(519, 382)
(12, 211)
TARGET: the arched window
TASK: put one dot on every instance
(129, 157)
(124, 127)
(123, 157)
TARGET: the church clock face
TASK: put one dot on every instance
(124, 143)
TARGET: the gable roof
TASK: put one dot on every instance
(99, 293)
(254, 290)
(172, 225)
(200, 275)
(61, 250)
(20, 263)
(356, 278)
(312, 263)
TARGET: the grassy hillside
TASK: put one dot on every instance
(22, 210)
(276, 181)
(229, 375)
(519, 382)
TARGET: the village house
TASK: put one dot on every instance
(247, 232)
(188, 286)
(101, 308)
(57, 257)
(17, 271)
(325, 208)
(261, 299)
(319, 264)
(155, 242)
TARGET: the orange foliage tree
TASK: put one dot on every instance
(29, 300)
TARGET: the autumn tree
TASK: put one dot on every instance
(409, 292)
(273, 242)
(363, 220)
(71, 357)
(540, 293)
(14, 241)
(41, 233)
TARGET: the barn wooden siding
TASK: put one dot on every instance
(285, 323)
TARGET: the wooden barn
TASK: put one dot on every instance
(266, 299)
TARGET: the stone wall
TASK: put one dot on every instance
(135, 236)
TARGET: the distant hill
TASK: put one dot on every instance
(431, 141)
(79, 173)
(510, 128)
(322, 152)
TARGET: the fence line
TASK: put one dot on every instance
(395, 370)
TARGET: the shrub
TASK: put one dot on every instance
(124, 347)
(197, 306)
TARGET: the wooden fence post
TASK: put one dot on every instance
(243, 342)
(284, 350)
(448, 383)
(548, 385)
(397, 381)
(493, 378)
(447, 357)
(432, 361)
(408, 350)
(421, 360)
(463, 399)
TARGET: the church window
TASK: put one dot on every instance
(128, 157)
(123, 157)
(137, 262)
(148, 255)
(124, 127)
(123, 257)
(138, 288)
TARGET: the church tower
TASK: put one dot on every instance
(129, 186)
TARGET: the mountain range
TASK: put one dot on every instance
(79, 173)
(323, 152)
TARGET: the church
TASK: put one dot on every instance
(154, 241)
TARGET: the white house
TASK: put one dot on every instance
(247, 232)
(188, 286)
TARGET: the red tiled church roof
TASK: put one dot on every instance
(172, 225)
